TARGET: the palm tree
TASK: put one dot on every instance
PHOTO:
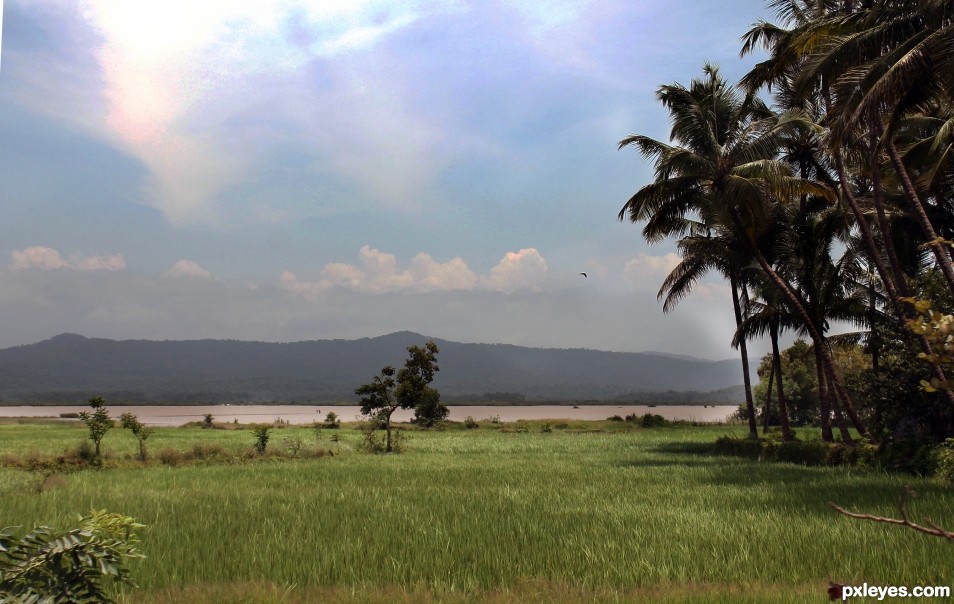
(723, 168)
(725, 254)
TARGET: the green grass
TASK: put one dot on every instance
(622, 515)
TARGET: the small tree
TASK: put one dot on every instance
(381, 397)
(331, 421)
(207, 421)
(140, 431)
(261, 437)
(413, 389)
(378, 400)
(98, 421)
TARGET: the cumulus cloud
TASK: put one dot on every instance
(42, 257)
(188, 268)
(379, 273)
(37, 257)
(517, 270)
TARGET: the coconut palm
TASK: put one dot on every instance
(700, 255)
(723, 168)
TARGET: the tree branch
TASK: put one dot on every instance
(930, 529)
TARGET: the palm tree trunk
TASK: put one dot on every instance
(767, 412)
(899, 287)
(942, 256)
(777, 366)
(836, 401)
(824, 403)
(814, 332)
(746, 381)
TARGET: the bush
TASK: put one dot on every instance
(292, 444)
(207, 421)
(945, 460)
(470, 423)
(46, 565)
(331, 421)
(261, 438)
(546, 428)
(650, 420)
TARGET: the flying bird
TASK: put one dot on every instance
(584, 274)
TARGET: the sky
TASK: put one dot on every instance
(287, 170)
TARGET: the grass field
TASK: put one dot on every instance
(489, 515)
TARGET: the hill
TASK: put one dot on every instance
(70, 368)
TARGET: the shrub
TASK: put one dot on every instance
(170, 457)
(614, 418)
(207, 421)
(261, 437)
(470, 423)
(292, 444)
(331, 421)
(141, 432)
(208, 451)
(650, 420)
(546, 428)
(46, 565)
(945, 460)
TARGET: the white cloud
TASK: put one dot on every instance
(42, 257)
(37, 257)
(115, 262)
(379, 273)
(518, 270)
(188, 268)
(647, 267)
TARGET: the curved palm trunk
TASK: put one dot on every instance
(899, 287)
(746, 381)
(837, 401)
(942, 256)
(817, 339)
(777, 366)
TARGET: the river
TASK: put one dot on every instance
(162, 415)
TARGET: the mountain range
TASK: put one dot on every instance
(70, 368)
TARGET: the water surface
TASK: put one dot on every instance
(169, 415)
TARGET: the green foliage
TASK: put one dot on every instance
(261, 437)
(899, 409)
(139, 430)
(46, 565)
(332, 422)
(470, 423)
(413, 390)
(945, 461)
(800, 382)
(98, 422)
(207, 421)
(410, 390)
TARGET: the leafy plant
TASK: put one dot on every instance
(207, 421)
(261, 437)
(139, 430)
(332, 422)
(49, 566)
(98, 422)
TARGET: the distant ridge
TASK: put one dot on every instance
(71, 367)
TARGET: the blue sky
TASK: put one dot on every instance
(284, 170)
